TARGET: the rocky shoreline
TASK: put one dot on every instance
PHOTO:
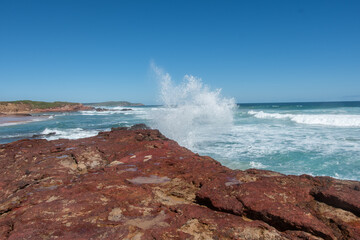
(23, 111)
(137, 184)
(19, 112)
(20, 109)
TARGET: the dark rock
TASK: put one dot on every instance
(43, 135)
(22, 114)
(101, 109)
(140, 126)
(106, 109)
(134, 183)
(117, 129)
(15, 114)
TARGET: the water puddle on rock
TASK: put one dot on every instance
(232, 181)
(149, 180)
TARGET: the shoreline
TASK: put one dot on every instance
(143, 184)
(27, 107)
(18, 113)
(15, 119)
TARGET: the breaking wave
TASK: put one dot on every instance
(72, 133)
(313, 119)
(191, 110)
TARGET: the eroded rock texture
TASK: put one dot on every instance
(137, 184)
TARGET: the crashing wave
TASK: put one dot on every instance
(313, 119)
(190, 109)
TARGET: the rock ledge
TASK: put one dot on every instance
(137, 184)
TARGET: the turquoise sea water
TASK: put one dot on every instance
(292, 138)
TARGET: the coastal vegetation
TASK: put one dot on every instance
(38, 104)
(28, 106)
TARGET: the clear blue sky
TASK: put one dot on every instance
(256, 51)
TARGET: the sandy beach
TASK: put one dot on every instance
(13, 119)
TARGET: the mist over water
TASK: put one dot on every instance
(191, 110)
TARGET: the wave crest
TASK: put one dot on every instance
(72, 133)
(313, 119)
(190, 109)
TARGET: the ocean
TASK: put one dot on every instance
(321, 138)
(316, 138)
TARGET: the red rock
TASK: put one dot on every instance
(25, 108)
(66, 108)
(137, 184)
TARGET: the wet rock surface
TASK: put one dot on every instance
(134, 183)
(43, 135)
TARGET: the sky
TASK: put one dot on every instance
(255, 51)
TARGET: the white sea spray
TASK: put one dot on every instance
(191, 109)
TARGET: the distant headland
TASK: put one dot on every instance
(28, 107)
(22, 107)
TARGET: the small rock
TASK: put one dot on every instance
(147, 158)
(115, 215)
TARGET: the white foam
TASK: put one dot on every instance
(336, 120)
(114, 110)
(257, 165)
(260, 142)
(20, 135)
(72, 133)
(190, 110)
(13, 123)
(98, 113)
